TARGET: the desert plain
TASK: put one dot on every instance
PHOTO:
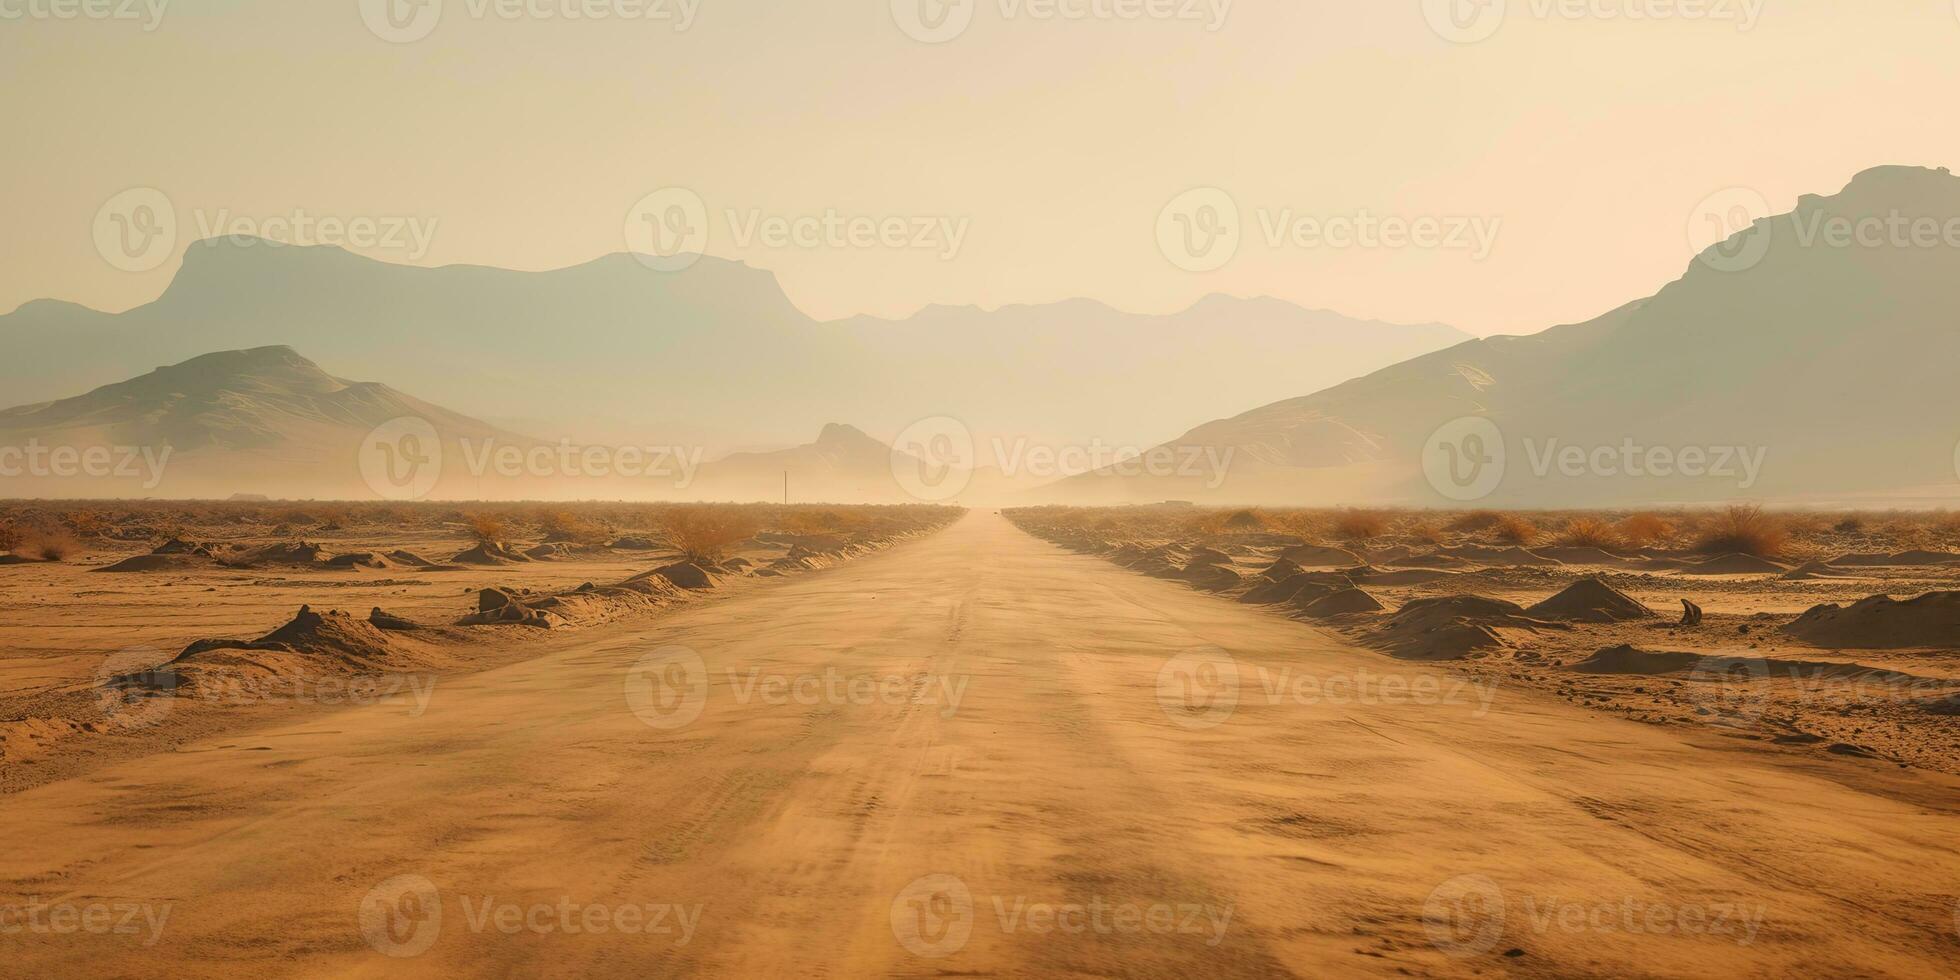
(678, 740)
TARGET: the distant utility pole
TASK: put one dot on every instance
(786, 488)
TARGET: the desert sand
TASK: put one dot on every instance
(979, 753)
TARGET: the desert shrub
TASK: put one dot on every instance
(10, 535)
(49, 545)
(1641, 530)
(1425, 531)
(1513, 529)
(1743, 529)
(1360, 525)
(1589, 532)
(563, 525)
(704, 534)
(487, 529)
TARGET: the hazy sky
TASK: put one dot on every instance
(1045, 147)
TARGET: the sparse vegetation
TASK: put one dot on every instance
(1361, 525)
(1589, 532)
(1744, 529)
(704, 534)
(1645, 530)
(1517, 530)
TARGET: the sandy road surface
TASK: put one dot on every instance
(976, 755)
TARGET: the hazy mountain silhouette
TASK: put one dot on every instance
(1834, 360)
(265, 420)
(715, 355)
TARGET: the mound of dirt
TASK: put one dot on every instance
(636, 544)
(1631, 660)
(687, 575)
(1498, 557)
(171, 556)
(412, 560)
(1207, 556)
(1736, 565)
(552, 551)
(1904, 559)
(1211, 577)
(297, 553)
(1280, 570)
(1318, 556)
(489, 553)
(1453, 628)
(1882, 623)
(178, 546)
(496, 607)
(1302, 587)
(333, 634)
(360, 559)
(1345, 602)
(1810, 571)
(1401, 576)
(1575, 555)
(1434, 562)
(389, 623)
(1591, 600)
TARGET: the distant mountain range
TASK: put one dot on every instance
(1810, 357)
(269, 422)
(713, 356)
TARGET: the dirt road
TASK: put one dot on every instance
(977, 754)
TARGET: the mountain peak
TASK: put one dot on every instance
(837, 434)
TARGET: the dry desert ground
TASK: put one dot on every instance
(920, 742)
